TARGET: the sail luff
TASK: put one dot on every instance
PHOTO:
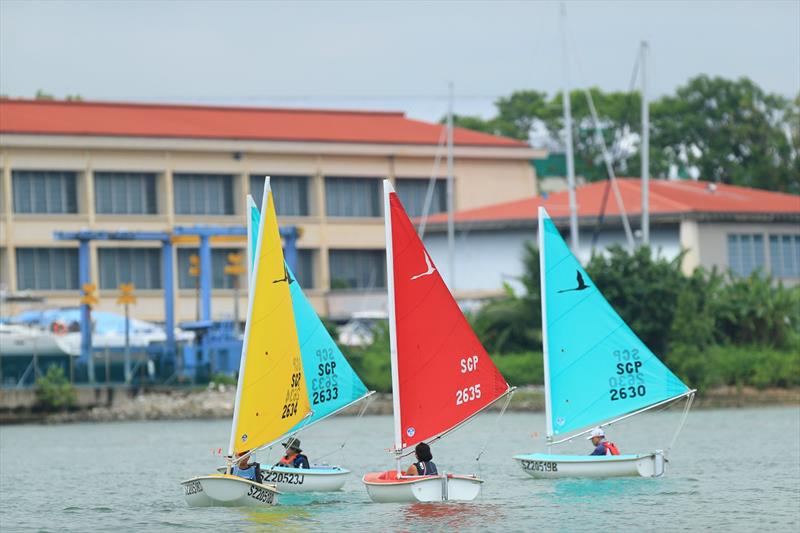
(543, 297)
(251, 205)
(387, 213)
(250, 291)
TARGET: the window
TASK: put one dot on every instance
(412, 193)
(203, 194)
(140, 266)
(44, 191)
(784, 255)
(357, 269)
(304, 270)
(47, 269)
(745, 253)
(125, 193)
(219, 258)
(353, 197)
(290, 194)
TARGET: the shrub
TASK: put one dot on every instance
(54, 392)
(525, 368)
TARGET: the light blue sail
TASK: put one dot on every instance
(331, 382)
(598, 368)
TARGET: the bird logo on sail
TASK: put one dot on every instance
(581, 284)
(286, 277)
(430, 270)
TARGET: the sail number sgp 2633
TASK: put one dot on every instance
(628, 380)
(325, 386)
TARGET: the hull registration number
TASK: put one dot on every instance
(283, 477)
(192, 488)
(540, 466)
(260, 494)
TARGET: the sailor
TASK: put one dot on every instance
(294, 457)
(424, 465)
(245, 469)
(601, 445)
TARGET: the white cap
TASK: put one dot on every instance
(596, 432)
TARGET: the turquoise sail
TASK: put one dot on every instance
(598, 368)
(331, 382)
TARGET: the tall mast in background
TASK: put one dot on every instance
(573, 208)
(645, 149)
(451, 235)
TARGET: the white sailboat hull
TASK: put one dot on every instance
(222, 490)
(315, 479)
(383, 487)
(550, 466)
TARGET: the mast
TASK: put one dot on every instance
(398, 442)
(451, 234)
(573, 208)
(243, 358)
(546, 364)
(645, 150)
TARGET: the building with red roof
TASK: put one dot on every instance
(110, 166)
(718, 225)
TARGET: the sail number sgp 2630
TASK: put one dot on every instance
(628, 380)
(468, 365)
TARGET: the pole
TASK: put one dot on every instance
(645, 150)
(451, 233)
(573, 207)
(127, 345)
(205, 277)
(169, 298)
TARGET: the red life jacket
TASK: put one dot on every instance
(611, 448)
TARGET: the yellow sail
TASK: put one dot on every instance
(271, 397)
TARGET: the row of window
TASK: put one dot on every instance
(57, 268)
(134, 193)
(747, 253)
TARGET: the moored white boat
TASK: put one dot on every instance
(222, 490)
(551, 466)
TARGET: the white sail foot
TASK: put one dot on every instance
(223, 490)
(386, 487)
(550, 466)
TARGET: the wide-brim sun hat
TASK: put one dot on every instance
(293, 444)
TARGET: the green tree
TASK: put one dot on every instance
(731, 130)
(53, 390)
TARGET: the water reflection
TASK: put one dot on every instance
(451, 515)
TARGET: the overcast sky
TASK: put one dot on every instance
(383, 55)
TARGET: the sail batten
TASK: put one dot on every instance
(596, 368)
(442, 375)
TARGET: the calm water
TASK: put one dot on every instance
(730, 470)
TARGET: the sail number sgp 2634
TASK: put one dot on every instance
(628, 380)
(292, 396)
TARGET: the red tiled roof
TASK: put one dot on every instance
(666, 197)
(51, 117)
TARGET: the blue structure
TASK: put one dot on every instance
(204, 233)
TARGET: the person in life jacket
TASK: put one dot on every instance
(601, 445)
(245, 469)
(424, 465)
(294, 457)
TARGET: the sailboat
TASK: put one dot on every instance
(271, 398)
(441, 374)
(596, 370)
(331, 383)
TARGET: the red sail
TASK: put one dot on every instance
(445, 375)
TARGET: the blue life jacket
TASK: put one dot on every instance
(247, 473)
(426, 468)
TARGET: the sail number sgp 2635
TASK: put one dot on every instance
(468, 365)
(628, 380)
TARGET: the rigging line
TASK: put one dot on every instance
(680, 426)
(358, 417)
(432, 183)
(496, 422)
